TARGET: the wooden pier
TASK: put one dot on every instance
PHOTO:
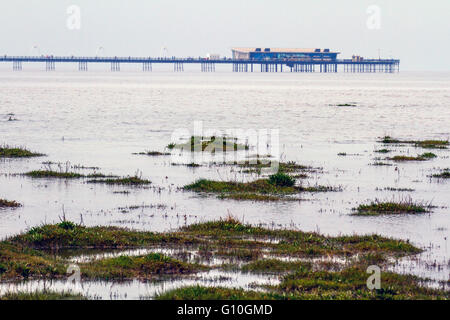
(208, 65)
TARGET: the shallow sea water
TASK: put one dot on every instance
(100, 118)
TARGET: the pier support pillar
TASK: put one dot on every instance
(178, 67)
(17, 65)
(147, 66)
(50, 65)
(208, 67)
(115, 66)
(82, 66)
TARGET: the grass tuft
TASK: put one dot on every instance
(41, 295)
(421, 157)
(445, 174)
(9, 204)
(17, 152)
(127, 181)
(210, 144)
(385, 208)
(426, 144)
(153, 153)
(63, 174)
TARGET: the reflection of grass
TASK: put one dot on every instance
(382, 208)
(426, 144)
(9, 204)
(275, 266)
(17, 152)
(210, 144)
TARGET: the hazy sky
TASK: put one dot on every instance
(415, 31)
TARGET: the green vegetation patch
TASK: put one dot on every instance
(383, 208)
(9, 204)
(346, 105)
(42, 295)
(383, 151)
(445, 174)
(21, 262)
(63, 175)
(153, 153)
(210, 144)
(307, 284)
(214, 293)
(140, 267)
(283, 167)
(17, 152)
(70, 235)
(126, 181)
(19, 258)
(421, 157)
(351, 284)
(426, 144)
(271, 189)
(231, 233)
(31, 255)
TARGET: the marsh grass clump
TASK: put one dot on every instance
(63, 174)
(210, 144)
(351, 283)
(281, 179)
(30, 255)
(17, 152)
(70, 235)
(254, 197)
(259, 186)
(139, 267)
(153, 153)
(432, 144)
(283, 167)
(126, 181)
(426, 144)
(41, 295)
(346, 105)
(53, 174)
(308, 284)
(383, 151)
(21, 262)
(276, 188)
(422, 157)
(9, 204)
(381, 164)
(189, 165)
(377, 207)
(214, 293)
(445, 174)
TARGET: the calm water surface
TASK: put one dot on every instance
(99, 119)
